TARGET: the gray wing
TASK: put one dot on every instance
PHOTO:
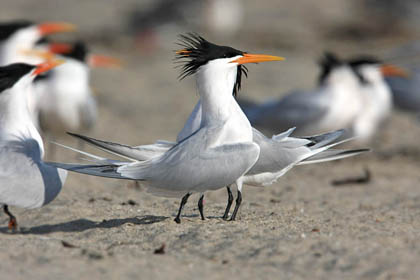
(103, 170)
(191, 166)
(299, 109)
(278, 155)
(143, 152)
(332, 154)
(26, 181)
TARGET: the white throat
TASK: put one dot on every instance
(215, 82)
(15, 118)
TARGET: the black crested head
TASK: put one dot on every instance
(356, 62)
(7, 29)
(197, 51)
(78, 52)
(363, 60)
(11, 74)
(328, 62)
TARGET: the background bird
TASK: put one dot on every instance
(64, 97)
(351, 94)
(16, 37)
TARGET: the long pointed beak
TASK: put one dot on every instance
(104, 61)
(47, 55)
(255, 58)
(389, 70)
(60, 48)
(46, 66)
(54, 27)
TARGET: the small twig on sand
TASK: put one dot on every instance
(364, 179)
(160, 250)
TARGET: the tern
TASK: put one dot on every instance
(18, 36)
(351, 94)
(65, 99)
(220, 152)
(25, 179)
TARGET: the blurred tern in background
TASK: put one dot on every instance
(65, 99)
(25, 180)
(18, 36)
(219, 152)
(351, 94)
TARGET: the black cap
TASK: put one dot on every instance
(7, 29)
(78, 52)
(11, 74)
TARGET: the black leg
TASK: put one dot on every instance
(238, 203)
(200, 206)
(183, 202)
(12, 219)
(229, 204)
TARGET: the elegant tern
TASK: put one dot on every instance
(220, 152)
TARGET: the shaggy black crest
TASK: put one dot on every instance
(78, 52)
(7, 29)
(197, 51)
(12, 73)
(328, 62)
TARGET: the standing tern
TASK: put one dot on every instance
(25, 180)
(220, 152)
(351, 94)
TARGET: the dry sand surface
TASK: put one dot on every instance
(302, 227)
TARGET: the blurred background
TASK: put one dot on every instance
(144, 34)
(144, 100)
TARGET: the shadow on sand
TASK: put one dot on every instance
(84, 224)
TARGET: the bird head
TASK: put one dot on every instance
(197, 52)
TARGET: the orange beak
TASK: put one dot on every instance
(391, 70)
(60, 48)
(255, 58)
(182, 52)
(45, 66)
(104, 61)
(55, 27)
(47, 55)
